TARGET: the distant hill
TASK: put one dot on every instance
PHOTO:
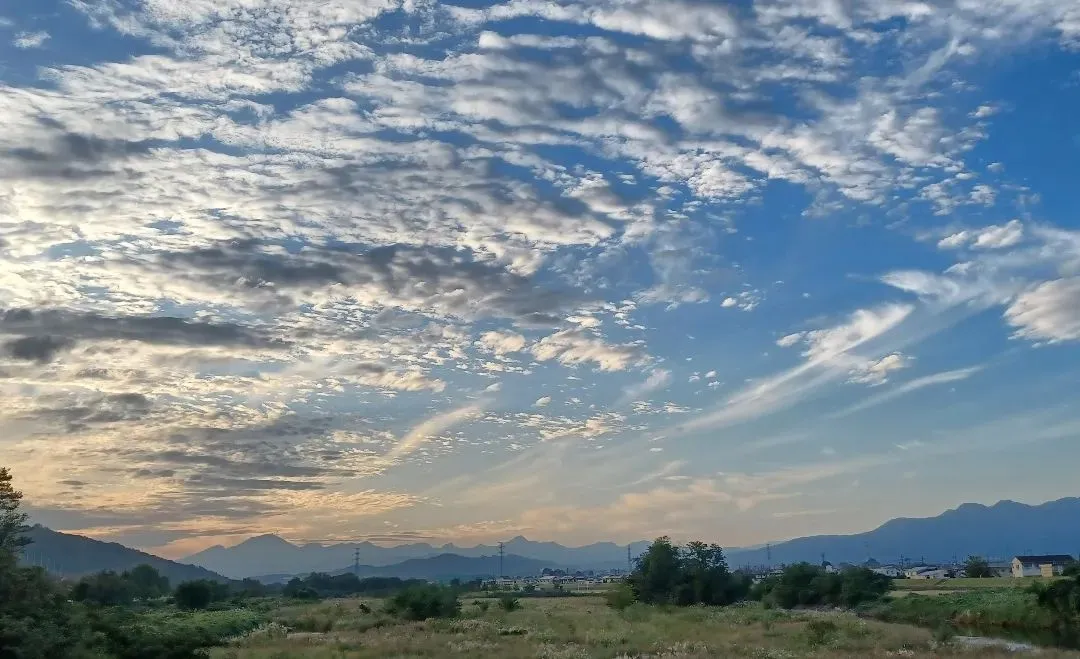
(1000, 531)
(1003, 530)
(442, 568)
(272, 555)
(75, 555)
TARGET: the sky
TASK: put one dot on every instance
(407, 270)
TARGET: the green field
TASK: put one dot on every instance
(963, 584)
(583, 627)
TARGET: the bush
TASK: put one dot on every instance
(482, 605)
(423, 602)
(509, 603)
(821, 631)
(193, 595)
(620, 597)
(808, 585)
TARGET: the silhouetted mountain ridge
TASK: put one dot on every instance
(1001, 531)
(441, 567)
(71, 555)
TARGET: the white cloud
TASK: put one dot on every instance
(944, 377)
(729, 302)
(877, 372)
(26, 40)
(576, 346)
(502, 342)
(657, 380)
(999, 237)
(543, 401)
(1049, 312)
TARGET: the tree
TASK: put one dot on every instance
(36, 620)
(12, 521)
(977, 567)
(194, 594)
(146, 582)
(657, 574)
(105, 589)
(804, 584)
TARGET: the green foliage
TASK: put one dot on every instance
(694, 574)
(12, 521)
(509, 603)
(199, 594)
(620, 597)
(977, 567)
(318, 585)
(424, 602)
(803, 584)
(1060, 599)
(821, 631)
(123, 633)
(105, 589)
(36, 620)
(482, 605)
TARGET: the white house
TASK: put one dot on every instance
(1036, 566)
(888, 571)
(927, 572)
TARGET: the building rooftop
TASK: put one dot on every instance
(1047, 558)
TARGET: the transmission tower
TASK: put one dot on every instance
(502, 546)
(356, 561)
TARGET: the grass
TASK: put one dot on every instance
(1007, 612)
(917, 585)
(584, 627)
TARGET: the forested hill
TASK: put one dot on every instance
(75, 555)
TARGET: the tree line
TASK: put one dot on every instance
(698, 573)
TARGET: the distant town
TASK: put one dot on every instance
(1018, 567)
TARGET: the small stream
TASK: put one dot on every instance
(1015, 640)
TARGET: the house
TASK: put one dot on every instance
(888, 570)
(1037, 566)
(928, 572)
(1000, 569)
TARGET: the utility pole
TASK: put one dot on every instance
(629, 562)
(356, 561)
(502, 546)
(768, 553)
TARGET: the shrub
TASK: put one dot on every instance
(803, 584)
(423, 602)
(193, 595)
(820, 631)
(482, 605)
(509, 603)
(620, 597)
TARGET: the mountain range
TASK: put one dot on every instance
(440, 568)
(1000, 530)
(70, 555)
(270, 554)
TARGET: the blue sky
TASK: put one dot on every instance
(403, 269)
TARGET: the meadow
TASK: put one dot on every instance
(952, 585)
(585, 627)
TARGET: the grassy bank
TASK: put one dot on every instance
(997, 583)
(583, 627)
(1005, 611)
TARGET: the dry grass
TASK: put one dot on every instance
(572, 628)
